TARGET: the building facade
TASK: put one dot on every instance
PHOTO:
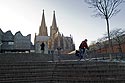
(103, 47)
(55, 40)
(14, 43)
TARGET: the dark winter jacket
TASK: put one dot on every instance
(83, 45)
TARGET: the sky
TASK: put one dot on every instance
(72, 16)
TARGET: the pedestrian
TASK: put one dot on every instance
(42, 47)
(83, 46)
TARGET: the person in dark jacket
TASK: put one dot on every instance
(82, 48)
(42, 47)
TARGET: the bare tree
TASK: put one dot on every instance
(117, 35)
(105, 44)
(100, 44)
(106, 37)
(105, 9)
(92, 47)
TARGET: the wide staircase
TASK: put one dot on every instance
(62, 72)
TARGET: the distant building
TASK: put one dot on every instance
(103, 47)
(55, 40)
(7, 41)
(14, 43)
(1, 34)
(22, 43)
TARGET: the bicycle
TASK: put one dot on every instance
(85, 55)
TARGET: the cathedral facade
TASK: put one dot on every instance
(53, 41)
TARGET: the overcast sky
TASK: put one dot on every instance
(72, 17)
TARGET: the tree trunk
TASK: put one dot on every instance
(110, 49)
(120, 48)
(119, 44)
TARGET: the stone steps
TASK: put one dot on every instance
(90, 71)
(62, 72)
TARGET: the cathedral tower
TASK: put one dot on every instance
(43, 28)
(54, 41)
(53, 28)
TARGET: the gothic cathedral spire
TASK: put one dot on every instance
(54, 25)
(53, 28)
(43, 27)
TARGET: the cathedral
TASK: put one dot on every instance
(53, 42)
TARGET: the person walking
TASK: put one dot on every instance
(83, 46)
(42, 47)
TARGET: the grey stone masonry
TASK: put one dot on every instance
(62, 72)
(22, 42)
(14, 43)
(8, 41)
